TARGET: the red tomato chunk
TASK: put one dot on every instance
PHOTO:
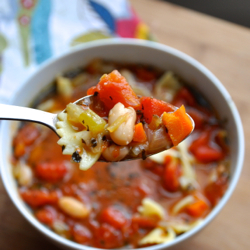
(152, 106)
(113, 88)
(215, 190)
(113, 217)
(81, 234)
(36, 198)
(172, 174)
(204, 150)
(51, 171)
(26, 137)
(46, 215)
(143, 222)
(108, 237)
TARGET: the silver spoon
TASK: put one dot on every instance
(11, 112)
(17, 113)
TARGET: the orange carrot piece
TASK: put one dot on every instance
(178, 124)
(139, 134)
(197, 209)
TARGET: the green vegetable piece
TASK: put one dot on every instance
(92, 121)
(73, 113)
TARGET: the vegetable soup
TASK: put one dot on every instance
(128, 204)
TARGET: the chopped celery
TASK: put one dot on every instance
(73, 113)
(92, 121)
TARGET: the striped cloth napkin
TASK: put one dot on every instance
(32, 31)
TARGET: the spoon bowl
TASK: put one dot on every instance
(11, 112)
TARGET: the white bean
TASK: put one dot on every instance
(73, 207)
(24, 174)
(109, 156)
(124, 134)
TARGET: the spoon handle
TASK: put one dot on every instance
(11, 112)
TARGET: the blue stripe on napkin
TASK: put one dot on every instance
(104, 14)
(40, 31)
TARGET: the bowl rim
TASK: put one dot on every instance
(153, 45)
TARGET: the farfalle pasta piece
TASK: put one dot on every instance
(150, 207)
(158, 236)
(72, 143)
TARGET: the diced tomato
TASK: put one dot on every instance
(113, 88)
(202, 139)
(184, 97)
(46, 215)
(113, 217)
(143, 222)
(172, 174)
(215, 190)
(27, 135)
(206, 154)
(108, 237)
(198, 208)
(36, 198)
(152, 106)
(81, 234)
(203, 151)
(51, 171)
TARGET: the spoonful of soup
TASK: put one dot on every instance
(111, 124)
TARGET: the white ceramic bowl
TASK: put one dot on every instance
(128, 50)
